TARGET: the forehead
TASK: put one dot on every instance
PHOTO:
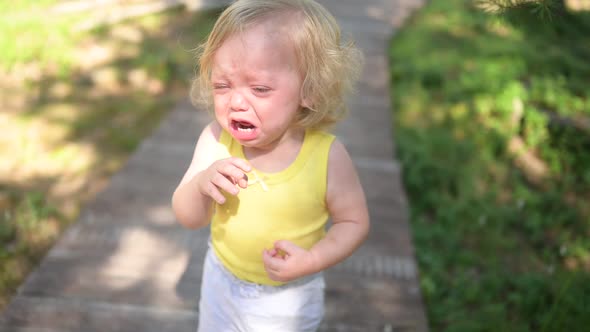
(260, 46)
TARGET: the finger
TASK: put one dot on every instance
(243, 182)
(271, 263)
(215, 194)
(287, 247)
(272, 252)
(241, 179)
(266, 256)
(271, 274)
(241, 164)
(269, 253)
(230, 171)
(224, 183)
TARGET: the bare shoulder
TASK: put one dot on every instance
(342, 175)
(211, 132)
(206, 150)
(215, 129)
(345, 195)
(339, 161)
(207, 144)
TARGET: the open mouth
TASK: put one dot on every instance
(243, 130)
(243, 126)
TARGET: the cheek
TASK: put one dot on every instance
(219, 109)
(219, 102)
(218, 99)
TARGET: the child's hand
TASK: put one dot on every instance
(223, 174)
(287, 261)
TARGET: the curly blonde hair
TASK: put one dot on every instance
(328, 65)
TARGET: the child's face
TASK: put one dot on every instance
(256, 85)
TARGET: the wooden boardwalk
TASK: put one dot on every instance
(127, 266)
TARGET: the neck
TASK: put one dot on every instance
(278, 155)
(291, 136)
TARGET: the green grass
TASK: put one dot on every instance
(28, 34)
(501, 247)
(78, 122)
(27, 227)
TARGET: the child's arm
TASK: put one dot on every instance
(206, 176)
(350, 225)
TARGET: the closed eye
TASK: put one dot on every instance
(261, 89)
(220, 86)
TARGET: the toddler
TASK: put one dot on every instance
(265, 174)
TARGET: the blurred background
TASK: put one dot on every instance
(81, 84)
(492, 125)
(491, 121)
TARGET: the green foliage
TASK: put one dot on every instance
(544, 9)
(86, 119)
(500, 247)
(23, 232)
(28, 34)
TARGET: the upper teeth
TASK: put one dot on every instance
(244, 126)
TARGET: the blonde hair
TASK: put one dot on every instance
(328, 66)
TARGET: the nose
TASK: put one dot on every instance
(238, 102)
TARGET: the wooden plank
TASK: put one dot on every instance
(93, 316)
(373, 303)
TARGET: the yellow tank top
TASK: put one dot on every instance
(288, 205)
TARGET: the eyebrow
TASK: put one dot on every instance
(264, 76)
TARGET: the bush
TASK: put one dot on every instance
(490, 122)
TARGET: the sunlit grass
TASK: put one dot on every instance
(74, 107)
(497, 165)
(28, 33)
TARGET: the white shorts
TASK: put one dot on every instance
(229, 304)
